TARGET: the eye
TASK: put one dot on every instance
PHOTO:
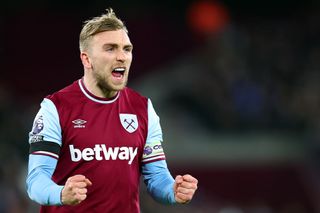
(109, 49)
(128, 49)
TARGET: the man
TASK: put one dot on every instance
(92, 140)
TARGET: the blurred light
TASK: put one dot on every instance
(206, 17)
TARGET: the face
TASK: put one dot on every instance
(110, 57)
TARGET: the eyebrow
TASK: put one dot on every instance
(116, 45)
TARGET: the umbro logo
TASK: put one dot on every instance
(79, 123)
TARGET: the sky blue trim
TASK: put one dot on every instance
(154, 128)
(159, 181)
(51, 129)
(40, 187)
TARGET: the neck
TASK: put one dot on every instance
(106, 93)
(97, 90)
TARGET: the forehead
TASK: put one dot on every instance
(119, 37)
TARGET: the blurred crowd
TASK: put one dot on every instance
(257, 73)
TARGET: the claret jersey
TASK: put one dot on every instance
(107, 140)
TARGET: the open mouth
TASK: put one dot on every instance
(118, 72)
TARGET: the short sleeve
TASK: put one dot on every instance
(153, 150)
(45, 137)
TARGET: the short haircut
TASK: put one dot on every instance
(106, 22)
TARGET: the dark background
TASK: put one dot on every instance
(235, 83)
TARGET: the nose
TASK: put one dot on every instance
(121, 55)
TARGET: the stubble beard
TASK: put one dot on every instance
(107, 87)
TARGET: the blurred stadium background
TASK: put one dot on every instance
(235, 83)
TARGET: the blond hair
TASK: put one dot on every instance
(106, 22)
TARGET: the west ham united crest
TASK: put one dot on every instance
(129, 122)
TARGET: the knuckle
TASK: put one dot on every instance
(69, 187)
(77, 197)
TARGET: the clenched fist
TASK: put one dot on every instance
(184, 188)
(75, 190)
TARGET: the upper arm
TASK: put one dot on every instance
(153, 150)
(45, 136)
(45, 142)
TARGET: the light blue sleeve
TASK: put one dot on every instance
(154, 128)
(40, 187)
(153, 150)
(41, 165)
(46, 125)
(155, 172)
(159, 181)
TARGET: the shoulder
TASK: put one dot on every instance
(66, 94)
(133, 95)
(132, 92)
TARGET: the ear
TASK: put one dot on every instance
(85, 60)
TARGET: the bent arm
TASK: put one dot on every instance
(40, 187)
(45, 143)
(159, 181)
(155, 172)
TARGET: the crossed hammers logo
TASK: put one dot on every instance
(129, 123)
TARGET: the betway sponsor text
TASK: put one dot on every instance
(101, 152)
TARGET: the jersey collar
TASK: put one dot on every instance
(94, 98)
